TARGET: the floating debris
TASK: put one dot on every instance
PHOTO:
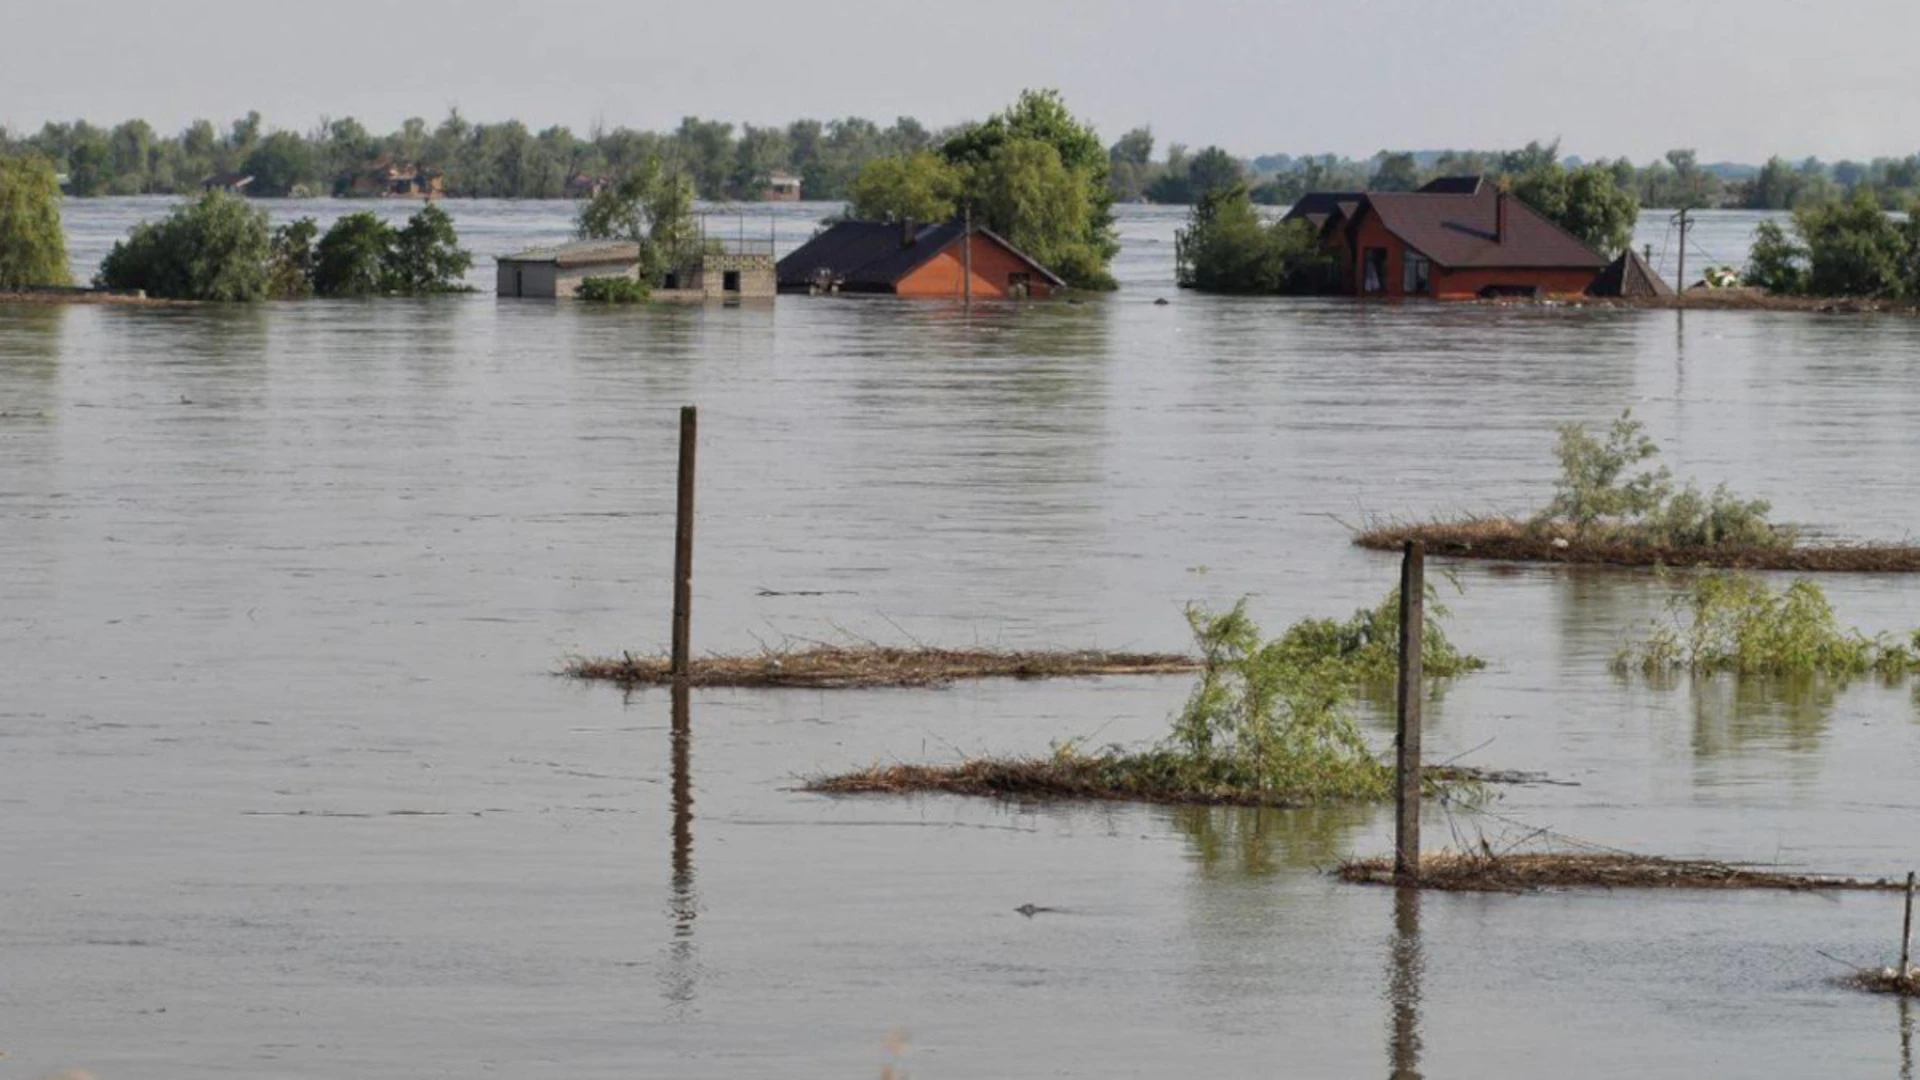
(833, 667)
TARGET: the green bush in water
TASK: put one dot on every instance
(1738, 623)
(612, 290)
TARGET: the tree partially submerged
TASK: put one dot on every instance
(33, 246)
(1850, 248)
(1587, 201)
(1229, 247)
(1739, 624)
(650, 207)
(214, 248)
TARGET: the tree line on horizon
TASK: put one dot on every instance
(725, 161)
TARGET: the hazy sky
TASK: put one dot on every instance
(1737, 80)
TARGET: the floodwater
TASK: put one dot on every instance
(287, 788)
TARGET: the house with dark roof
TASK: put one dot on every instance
(914, 260)
(1632, 277)
(1458, 237)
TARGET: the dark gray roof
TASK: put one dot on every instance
(1320, 204)
(875, 255)
(1629, 275)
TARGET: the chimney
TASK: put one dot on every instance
(909, 229)
(1500, 217)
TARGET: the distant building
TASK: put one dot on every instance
(554, 273)
(782, 187)
(386, 179)
(1459, 236)
(582, 186)
(233, 183)
(924, 261)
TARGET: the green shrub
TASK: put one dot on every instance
(214, 248)
(613, 290)
(1600, 496)
(426, 258)
(1776, 263)
(33, 246)
(352, 258)
(290, 261)
(1737, 623)
(1228, 248)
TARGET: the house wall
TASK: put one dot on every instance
(759, 280)
(944, 275)
(547, 281)
(1452, 284)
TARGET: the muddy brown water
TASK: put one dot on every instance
(287, 789)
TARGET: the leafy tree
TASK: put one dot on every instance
(650, 208)
(1079, 248)
(1213, 169)
(1027, 194)
(1776, 262)
(1395, 172)
(1587, 202)
(353, 257)
(214, 248)
(33, 247)
(1855, 249)
(290, 260)
(279, 163)
(759, 154)
(917, 187)
(1594, 484)
(1131, 162)
(1228, 248)
(426, 257)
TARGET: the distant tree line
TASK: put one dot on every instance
(1678, 179)
(503, 160)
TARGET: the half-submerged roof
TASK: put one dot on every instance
(1453, 185)
(1629, 275)
(1487, 229)
(1317, 206)
(580, 253)
(877, 254)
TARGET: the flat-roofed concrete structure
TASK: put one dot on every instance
(554, 273)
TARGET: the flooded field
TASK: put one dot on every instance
(288, 788)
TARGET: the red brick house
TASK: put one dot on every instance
(1458, 237)
(921, 261)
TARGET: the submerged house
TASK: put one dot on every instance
(554, 273)
(233, 183)
(913, 260)
(385, 179)
(1458, 237)
(782, 187)
(1632, 277)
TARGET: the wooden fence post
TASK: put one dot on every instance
(1413, 623)
(683, 548)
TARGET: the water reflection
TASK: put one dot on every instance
(1732, 714)
(682, 966)
(1906, 1038)
(1251, 842)
(1407, 963)
(30, 344)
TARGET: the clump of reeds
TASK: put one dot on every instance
(866, 666)
(1612, 506)
(1269, 723)
(1737, 623)
(1488, 871)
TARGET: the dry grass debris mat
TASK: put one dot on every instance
(1453, 871)
(834, 667)
(1510, 540)
(1886, 980)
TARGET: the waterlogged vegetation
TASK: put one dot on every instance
(1613, 505)
(219, 248)
(33, 246)
(1834, 248)
(613, 290)
(1739, 624)
(1270, 722)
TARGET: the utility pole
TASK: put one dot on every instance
(1680, 277)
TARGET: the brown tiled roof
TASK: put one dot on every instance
(1459, 231)
(875, 255)
(1453, 185)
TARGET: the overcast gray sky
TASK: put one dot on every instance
(1738, 79)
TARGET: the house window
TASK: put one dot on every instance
(1416, 274)
(1373, 270)
(1019, 285)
